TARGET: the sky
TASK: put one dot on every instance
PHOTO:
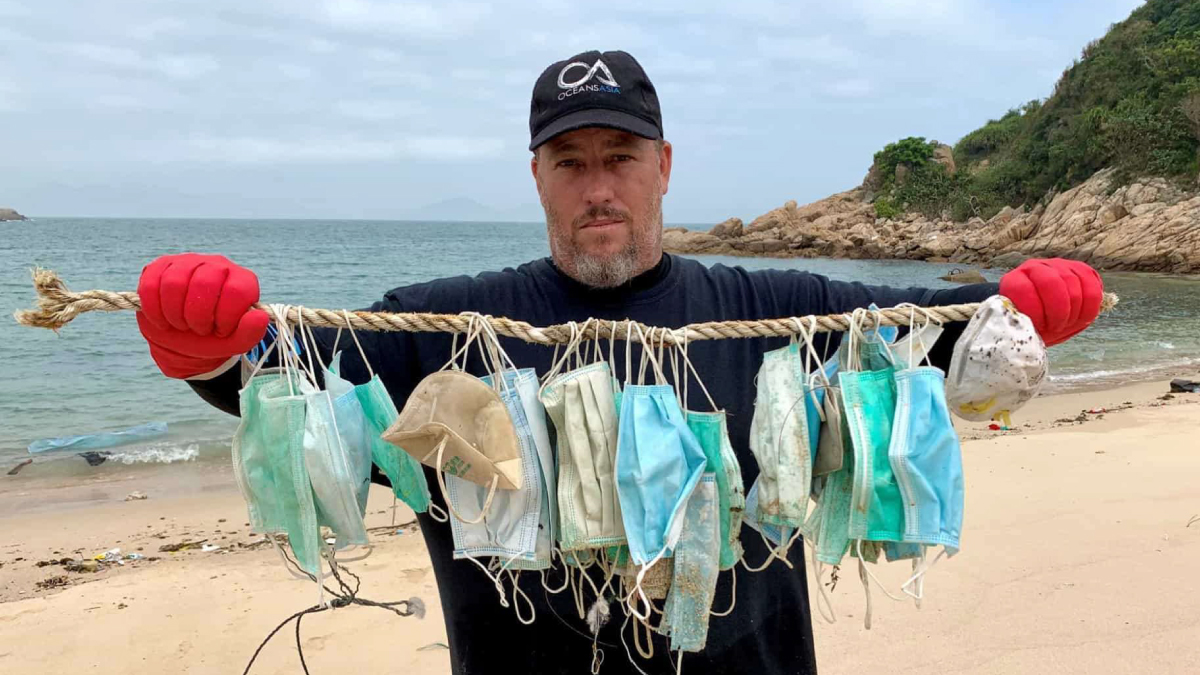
(377, 109)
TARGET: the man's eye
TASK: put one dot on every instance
(622, 158)
(567, 163)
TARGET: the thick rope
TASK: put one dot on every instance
(58, 306)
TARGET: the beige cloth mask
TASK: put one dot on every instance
(457, 424)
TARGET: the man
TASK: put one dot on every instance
(601, 167)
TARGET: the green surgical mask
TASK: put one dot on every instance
(710, 429)
(280, 412)
(869, 402)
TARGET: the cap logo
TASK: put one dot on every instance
(599, 71)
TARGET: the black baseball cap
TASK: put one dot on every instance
(594, 89)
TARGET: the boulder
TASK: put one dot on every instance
(901, 173)
(944, 155)
(1111, 213)
(964, 277)
(1008, 260)
(1003, 217)
(728, 229)
(939, 246)
(674, 241)
(766, 246)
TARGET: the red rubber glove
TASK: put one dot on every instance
(196, 312)
(1061, 297)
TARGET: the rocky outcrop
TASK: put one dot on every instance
(9, 214)
(1149, 225)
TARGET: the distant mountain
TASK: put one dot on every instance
(9, 214)
(467, 209)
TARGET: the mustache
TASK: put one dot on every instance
(600, 212)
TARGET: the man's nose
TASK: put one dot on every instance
(599, 189)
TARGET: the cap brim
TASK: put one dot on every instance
(596, 117)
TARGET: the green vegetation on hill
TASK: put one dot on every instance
(1132, 101)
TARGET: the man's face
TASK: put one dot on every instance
(602, 192)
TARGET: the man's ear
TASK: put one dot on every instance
(664, 165)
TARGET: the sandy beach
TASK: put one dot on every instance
(1077, 557)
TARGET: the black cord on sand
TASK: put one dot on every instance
(347, 596)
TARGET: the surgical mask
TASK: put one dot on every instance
(713, 435)
(659, 462)
(999, 363)
(269, 458)
(781, 440)
(712, 432)
(869, 399)
(509, 528)
(379, 413)
(694, 579)
(581, 405)
(927, 459)
(512, 527)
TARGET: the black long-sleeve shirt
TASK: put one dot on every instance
(770, 630)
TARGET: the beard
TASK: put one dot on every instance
(610, 270)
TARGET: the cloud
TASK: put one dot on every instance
(418, 19)
(852, 88)
(378, 111)
(822, 49)
(324, 148)
(174, 66)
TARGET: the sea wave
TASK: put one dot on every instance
(159, 453)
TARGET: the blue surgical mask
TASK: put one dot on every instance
(659, 462)
(927, 459)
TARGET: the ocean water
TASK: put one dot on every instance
(96, 374)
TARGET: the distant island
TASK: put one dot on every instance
(9, 214)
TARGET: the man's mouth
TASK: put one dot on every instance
(604, 222)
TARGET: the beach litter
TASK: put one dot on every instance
(210, 548)
(181, 546)
(53, 582)
(105, 439)
(1180, 386)
(83, 566)
(135, 496)
(16, 469)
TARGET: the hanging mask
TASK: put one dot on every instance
(659, 463)
(457, 424)
(515, 527)
(269, 457)
(712, 432)
(927, 460)
(774, 534)
(999, 363)
(379, 413)
(869, 406)
(780, 439)
(694, 578)
(581, 405)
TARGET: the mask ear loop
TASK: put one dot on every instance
(773, 553)
(612, 346)
(487, 504)
(354, 336)
(887, 350)
(692, 368)
(822, 594)
(864, 573)
(919, 577)
(629, 352)
(629, 654)
(559, 361)
(518, 593)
